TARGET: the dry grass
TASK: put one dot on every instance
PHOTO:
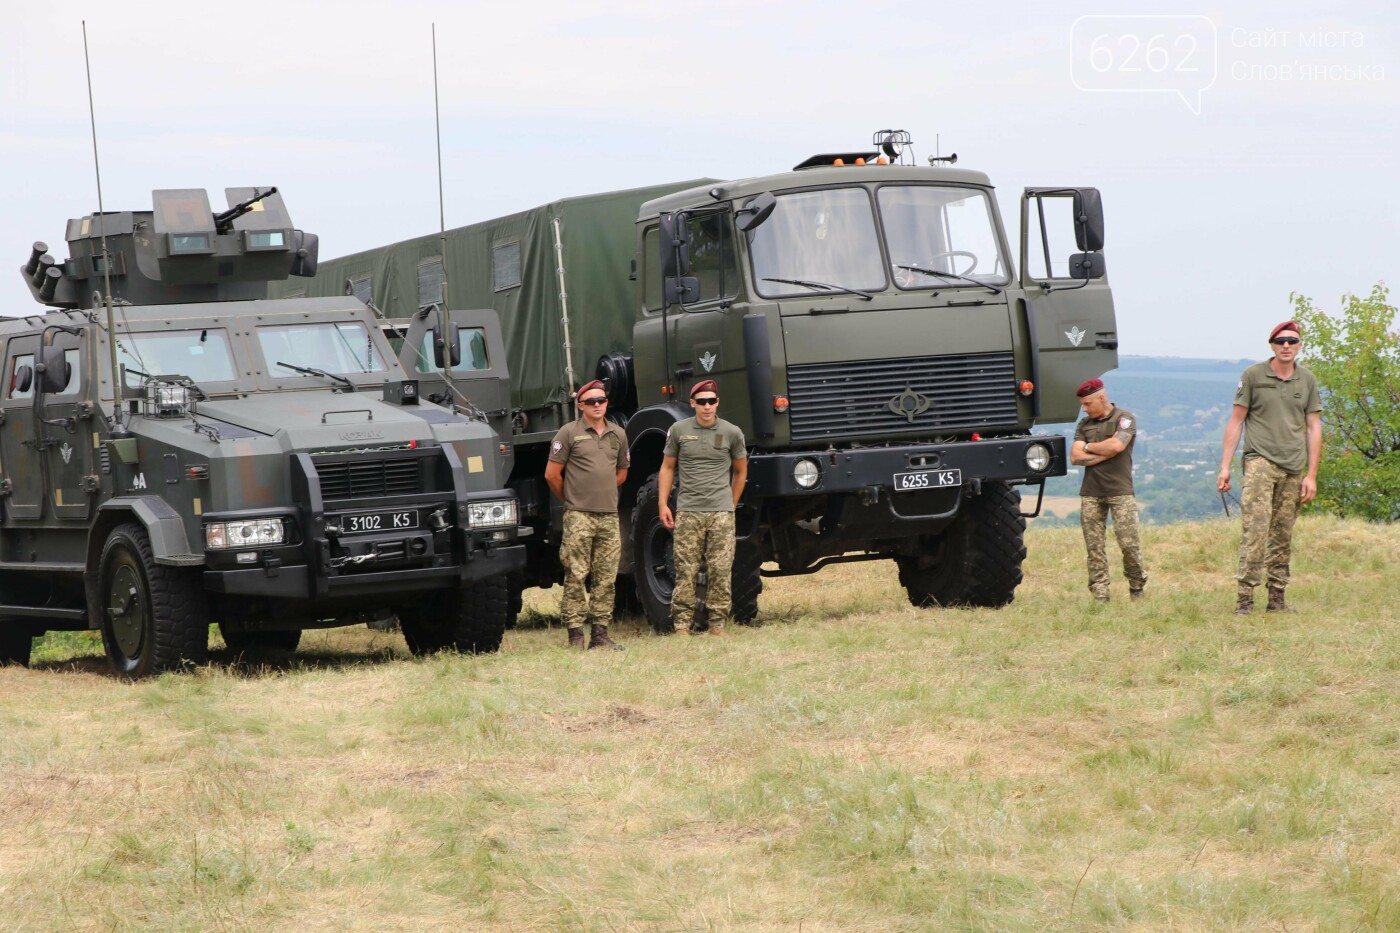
(853, 764)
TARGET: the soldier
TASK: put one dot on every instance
(588, 460)
(1278, 407)
(713, 464)
(1103, 445)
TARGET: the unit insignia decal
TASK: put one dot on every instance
(1075, 335)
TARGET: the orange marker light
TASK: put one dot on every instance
(882, 161)
(780, 404)
(839, 162)
(860, 161)
(1026, 387)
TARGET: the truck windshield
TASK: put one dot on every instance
(824, 239)
(203, 354)
(339, 347)
(940, 237)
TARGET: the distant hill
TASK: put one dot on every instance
(1181, 404)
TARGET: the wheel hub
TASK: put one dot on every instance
(125, 611)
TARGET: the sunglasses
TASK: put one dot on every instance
(708, 400)
(1285, 341)
(596, 400)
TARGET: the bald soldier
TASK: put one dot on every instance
(588, 460)
(1103, 445)
(1279, 410)
(709, 455)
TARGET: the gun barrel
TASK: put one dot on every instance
(224, 218)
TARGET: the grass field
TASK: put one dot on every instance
(852, 764)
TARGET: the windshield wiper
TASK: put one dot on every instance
(949, 275)
(829, 287)
(308, 371)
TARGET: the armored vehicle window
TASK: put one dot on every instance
(429, 282)
(712, 259)
(340, 347)
(505, 265)
(651, 272)
(931, 230)
(18, 364)
(473, 352)
(1051, 237)
(203, 354)
(824, 238)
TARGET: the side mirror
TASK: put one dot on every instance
(675, 245)
(755, 211)
(53, 370)
(681, 290)
(24, 378)
(1087, 266)
(308, 246)
(1088, 219)
(449, 347)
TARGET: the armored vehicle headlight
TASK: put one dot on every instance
(806, 473)
(1038, 458)
(493, 513)
(249, 533)
(171, 400)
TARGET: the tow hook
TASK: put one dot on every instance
(438, 520)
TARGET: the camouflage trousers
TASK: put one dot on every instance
(708, 536)
(1093, 520)
(592, 546)
(1270, 507)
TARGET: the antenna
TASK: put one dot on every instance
(106, 259)
(444, 318)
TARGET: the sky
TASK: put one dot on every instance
(1245, 151)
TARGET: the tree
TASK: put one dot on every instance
(1356, 358)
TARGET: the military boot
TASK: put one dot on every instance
(684, 631)
(1276, 602)
(1135, 595)
(600, 639)
(1244, 605)
(576, 637)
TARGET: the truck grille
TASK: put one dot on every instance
(875, 397)
(367, 478)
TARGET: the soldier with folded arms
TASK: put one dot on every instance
(1103, 445)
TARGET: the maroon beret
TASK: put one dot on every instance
(1286, 325)
(1090, 387)
(702, 385)
(595, 384)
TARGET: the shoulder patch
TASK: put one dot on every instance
(556, 447)
(1125, 423)
(1239, 385)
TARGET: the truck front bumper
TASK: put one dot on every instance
(853, 469)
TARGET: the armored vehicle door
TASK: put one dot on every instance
(481, 374)
(1068, 305)
(67, 435)
(21, 466)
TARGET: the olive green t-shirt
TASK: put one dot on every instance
(1113, 477)
(703, 457)
(1276, 427)
(591, 461)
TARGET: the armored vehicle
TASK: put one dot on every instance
(869, 329)
(195, 452)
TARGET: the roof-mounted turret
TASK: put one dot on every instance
(180, 251)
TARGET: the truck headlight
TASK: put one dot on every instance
(806, 473)
(247, 533)
(493, 513)
(1038, 458)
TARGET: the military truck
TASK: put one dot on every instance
(864, 319)
(193, 452)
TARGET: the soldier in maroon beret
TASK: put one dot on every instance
(1103, 445)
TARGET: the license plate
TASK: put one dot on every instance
(367, 522)
(927, 479)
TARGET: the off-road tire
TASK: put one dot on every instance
(16, 642)
(653, 566)
(746, 583)
(261, 643)
(976, 561)
(471, 619)
(515, 598)
(153, 616)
